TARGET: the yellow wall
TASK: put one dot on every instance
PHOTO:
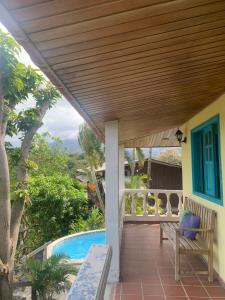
(218, 107)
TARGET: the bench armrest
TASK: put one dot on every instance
(194, 229)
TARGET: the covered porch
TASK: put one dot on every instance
(147, 270)
(136, 71)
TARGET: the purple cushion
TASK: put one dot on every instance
(189, 221)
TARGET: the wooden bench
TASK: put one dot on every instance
(202, 245)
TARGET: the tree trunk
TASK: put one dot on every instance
(5, 210)
(5, 288)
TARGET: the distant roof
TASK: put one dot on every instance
(156, 161)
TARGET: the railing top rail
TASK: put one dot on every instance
(153, 191)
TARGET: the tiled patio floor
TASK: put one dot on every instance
(147, 270)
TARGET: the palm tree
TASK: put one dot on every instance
(94, 155)
(133, 157)
(49, 277)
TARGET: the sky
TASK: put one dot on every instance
(61, 121)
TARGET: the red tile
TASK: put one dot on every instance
(190, 280)
(169, 280)
(178, 298)
(172, 290)
(130, 297)
(197, 298)
(116, 297)
(151, 280)
(152, 290)
(131, 289)
(195, 291)
(216, 291)
(205, 282)
(154, 298)
(166, 271)
(144, 261)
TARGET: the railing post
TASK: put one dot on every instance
(133, 205)
(168, 205)
(180, 205)
(145, 211)
(156, 207)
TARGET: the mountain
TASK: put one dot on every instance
(71, 145)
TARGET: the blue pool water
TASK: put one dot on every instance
(77, 247)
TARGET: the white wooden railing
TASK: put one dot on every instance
(137, 206)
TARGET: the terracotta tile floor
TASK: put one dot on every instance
(147, 270)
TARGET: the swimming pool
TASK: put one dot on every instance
(76, 247)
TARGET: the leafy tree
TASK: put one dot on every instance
(93, 154)
(47, 156)
(94, 221)
(49, 277)
(171, 156)
(57, 204)
(17, 83)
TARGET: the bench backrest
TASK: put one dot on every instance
(207, 216)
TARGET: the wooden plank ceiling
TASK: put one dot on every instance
(151, 64)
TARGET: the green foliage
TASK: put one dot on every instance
(49, 277)
(94, 221)
(47, 155)
(56, 205)
(136, 182)
(150, 202)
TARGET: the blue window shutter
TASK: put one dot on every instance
(198, 175)
(209, 161)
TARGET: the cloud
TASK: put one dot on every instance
(61, 121)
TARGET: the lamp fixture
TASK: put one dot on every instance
(179, 135)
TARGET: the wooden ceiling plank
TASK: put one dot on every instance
(155, 25)
(157, 97)
(140, 70)
(36, 22)
(167, 109)
(53, 8)
(155, 77)
(144, 94)
(144, 48)
(134, 85)
(153, 42)
(121, 41)
(151, 55)
(139, 64)
(124, 109)
(173, 10)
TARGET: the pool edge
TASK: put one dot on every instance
(72, 261)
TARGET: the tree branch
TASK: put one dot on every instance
(5, 208)
(18, 206)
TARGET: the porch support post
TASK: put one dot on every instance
(121, 189)
(112, 196)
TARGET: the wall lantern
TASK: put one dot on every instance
(179, 135)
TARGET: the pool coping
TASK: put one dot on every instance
(72, 261)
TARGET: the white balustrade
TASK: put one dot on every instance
(139, 209)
